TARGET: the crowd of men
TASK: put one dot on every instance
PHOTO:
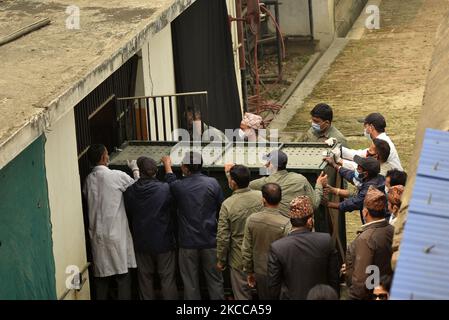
(264, 233)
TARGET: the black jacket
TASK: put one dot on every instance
(147, 204)
(198, 200)
(300, 261)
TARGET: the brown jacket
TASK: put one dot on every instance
(372, 246)
(262, 228)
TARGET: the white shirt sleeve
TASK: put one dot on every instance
(349, 154)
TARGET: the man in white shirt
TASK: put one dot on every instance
(374, 125)
(110, 237)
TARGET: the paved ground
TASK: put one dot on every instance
(384, 71)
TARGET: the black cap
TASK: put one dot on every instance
(278, 158)
(377, 120)
(369, 164)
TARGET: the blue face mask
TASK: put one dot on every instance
(316, 127)
(359, 176)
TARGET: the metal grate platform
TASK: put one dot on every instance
(301, 156)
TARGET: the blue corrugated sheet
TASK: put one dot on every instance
(422, 271)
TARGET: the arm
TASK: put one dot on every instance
(257, 184)
(350, 153)
(170, 177)
(274, 273)
(223, 237)
(354, 202)
(363, 258)
(247, 248)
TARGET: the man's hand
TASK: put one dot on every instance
(135, 169)
(330, 160)
(228, 167)
(337, 153)
(322, 179)
(331, 142)
(132, 165)
(220, 267)
(166, 160)
(251, 279)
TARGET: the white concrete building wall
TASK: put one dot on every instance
(294, 17)
(64, 192)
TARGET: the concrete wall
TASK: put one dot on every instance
(294, 17)
(64, 194)
(323, 15)
(346, 13)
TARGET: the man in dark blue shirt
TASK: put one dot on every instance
(147, 204)
(198, 199)
(366, 175)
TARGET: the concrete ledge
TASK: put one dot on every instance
(53, 110)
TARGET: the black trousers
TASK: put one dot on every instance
(104, 286)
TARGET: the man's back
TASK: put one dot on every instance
(148, 204)
(302, 260)
(371, 247)
(263, 228)
(233, 215)
(198, 198)
(292, 185)
(109, 233)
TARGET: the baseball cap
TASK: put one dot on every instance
(369, 164)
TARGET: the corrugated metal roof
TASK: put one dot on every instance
(422, 271)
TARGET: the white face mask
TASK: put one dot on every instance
(242, 134)
(366, 134)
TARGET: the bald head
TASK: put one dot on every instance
(272, 193)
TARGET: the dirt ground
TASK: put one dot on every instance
(383, 72)
(298, 53)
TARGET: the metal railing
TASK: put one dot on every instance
(154, 118)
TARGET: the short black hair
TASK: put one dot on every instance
(272, 193)
(383, 149)
(241, 175)
(299, 222)
(95, 152)
(377, 121)
(193, 161)
(322, 292)
(385, 281)
(397, 177)
(322, 111)
(147, 166)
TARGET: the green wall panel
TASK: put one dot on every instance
(27, 269)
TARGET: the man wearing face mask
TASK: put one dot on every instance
(292, 184)
(231, 227)
(322, 128)
(366, 174)
(303, 259)
(380, 150)
(374, 128)
(250, 127)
